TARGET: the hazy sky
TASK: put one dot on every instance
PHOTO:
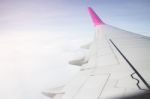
(39, 37)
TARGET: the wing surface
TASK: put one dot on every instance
(118, 65)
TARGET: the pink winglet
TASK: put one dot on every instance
(95, 18)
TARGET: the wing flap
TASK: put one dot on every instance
(92, 85)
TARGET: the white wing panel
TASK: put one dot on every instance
(92, 87)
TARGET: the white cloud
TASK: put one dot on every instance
(33, 62)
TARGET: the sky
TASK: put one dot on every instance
(39, 37)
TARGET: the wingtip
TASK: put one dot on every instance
(96, 20)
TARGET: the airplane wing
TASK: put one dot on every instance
(118, 65)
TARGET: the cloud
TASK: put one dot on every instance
(33, 62)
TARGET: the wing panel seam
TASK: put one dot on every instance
(139, 75)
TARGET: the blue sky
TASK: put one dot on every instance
(39, 37)
(71, 15)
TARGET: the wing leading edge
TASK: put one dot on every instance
(118, 65)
